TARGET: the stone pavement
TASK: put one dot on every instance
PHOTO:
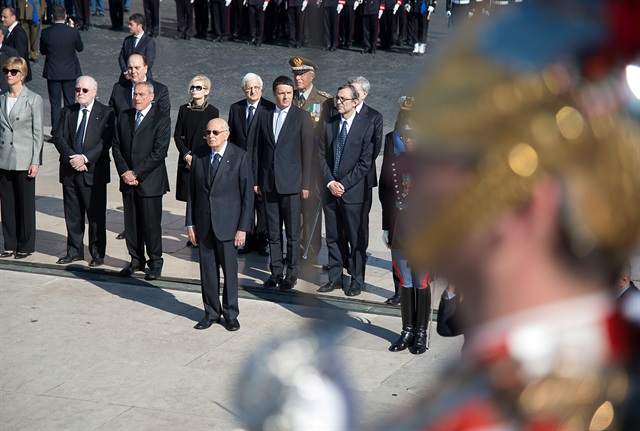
(90, 355)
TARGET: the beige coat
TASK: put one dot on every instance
(21, 132)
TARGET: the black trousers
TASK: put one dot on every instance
(83, 13)
(459, 14)
(152, 15)
(387, 28)
(116, 12)
(255, 22)
(345, 220)
(18, 209)
(219, 18)
(418, 27)
(295, 24)
(184, 12)
(142, 227)
(214, 255)
(402, 26)
(57, 90)
(370, 32)
(283, 209)
(347, 18)
(237, 19)
(80, 199)
(201, 13)
(330, 27)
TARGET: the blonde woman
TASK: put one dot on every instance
(20, 156)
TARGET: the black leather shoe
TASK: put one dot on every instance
(96, 261)
(21, 255)
(273, 281)
(6, 254)
(264, 250)
(244, 250)
(394, 300)
(120, 235)
(354, 289)
(128, 270)
(329, 287)
(154, 274)
(231, 325)
(288, 282)
(325, 267)
(68, 259)
(206, 323)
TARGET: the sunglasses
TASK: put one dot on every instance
(196, 88)
(13, 72)
(82, 90)
(214, 132)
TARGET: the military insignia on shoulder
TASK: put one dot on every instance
(325, 94)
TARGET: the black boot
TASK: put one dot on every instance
(423, 316)
(395, 299)
(408, 312)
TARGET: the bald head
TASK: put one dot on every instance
(216, 133)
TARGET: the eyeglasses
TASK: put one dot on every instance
(13, 72)
(214, 132)
(82, 90)
(342, 99)
(196, 88)
(250, 89)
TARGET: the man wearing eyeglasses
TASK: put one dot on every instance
(83, 141)
(282, 144)
(60, 44)
(241, 116)
(140, 148)
(219, 214)
(346, 145)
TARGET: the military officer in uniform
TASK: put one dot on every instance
(319, 105)
(419, 14)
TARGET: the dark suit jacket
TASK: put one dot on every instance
(226, 201)
(238, 120)
(371, 7)
(146, 46)
(97, 142)
(143, 151)
(355, 161)
(18, 40)
(6, 52)
(121, 99)
(283, 166)
(60, 43)
(378, 138)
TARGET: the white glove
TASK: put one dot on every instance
(356, 4)
(485, 12)
(448, 14)
(244, 2)
(227, 3)
(430, 9)
(380, 12)
(385, 237)
(264, 6)
(339, 8)
(395, 8)
(470, 14)
(407, 7)
(304, 5)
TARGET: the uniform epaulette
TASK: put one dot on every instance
(325, 94)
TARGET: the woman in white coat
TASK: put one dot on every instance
(20, 156)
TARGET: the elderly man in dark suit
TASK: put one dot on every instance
(122, 93)
(241, 115)
(346, 152)
(282, 153)
(140, 148)
(6, 52)
(138, 42)
(219, 214)
(61, 67)
(16, 37)
(83, 140)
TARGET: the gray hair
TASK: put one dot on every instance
(364, 82)
(252, 77)
(94, 83)
(147, 84)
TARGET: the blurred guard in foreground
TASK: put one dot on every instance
(524, 206)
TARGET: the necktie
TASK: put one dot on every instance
(279, 122)
(213, 167)
(342, 138)
(135, 41)
(138, 120)
(250, 117)
(301, 98)
(78, 146)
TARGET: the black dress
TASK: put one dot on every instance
(189, 133)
